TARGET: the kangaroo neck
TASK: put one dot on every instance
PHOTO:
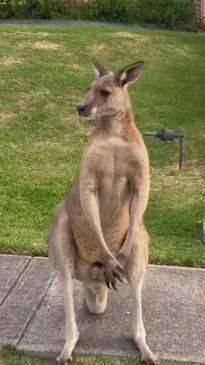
(121, 124)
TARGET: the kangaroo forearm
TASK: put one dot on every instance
(137, 209)
(90, 206)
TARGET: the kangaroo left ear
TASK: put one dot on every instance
(130, 73)
(99, 69)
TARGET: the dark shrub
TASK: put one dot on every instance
(168, 13)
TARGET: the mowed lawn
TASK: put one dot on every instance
(44, 73)
(13, 358)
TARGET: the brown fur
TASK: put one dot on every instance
(98, 232)
(114, 156)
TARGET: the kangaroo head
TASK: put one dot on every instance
(107, 95)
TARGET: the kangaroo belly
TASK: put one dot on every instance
(86, 242)
(114, 215)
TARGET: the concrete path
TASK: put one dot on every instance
(32, 313)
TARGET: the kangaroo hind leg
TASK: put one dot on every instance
(61, 252)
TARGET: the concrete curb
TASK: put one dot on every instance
(32, 313)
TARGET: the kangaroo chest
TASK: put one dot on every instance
(114, 165)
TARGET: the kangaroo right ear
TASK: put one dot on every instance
(99, 69)
(129, 74)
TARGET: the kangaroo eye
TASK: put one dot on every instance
(105, 93)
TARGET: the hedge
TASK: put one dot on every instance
(167, 13)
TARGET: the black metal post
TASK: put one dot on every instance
(170, 135)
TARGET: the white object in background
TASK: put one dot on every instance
(203, 229)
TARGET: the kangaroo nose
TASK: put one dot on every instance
(81, 108)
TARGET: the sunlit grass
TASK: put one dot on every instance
(44, 72)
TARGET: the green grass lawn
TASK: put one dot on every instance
(44, 72)
(13, 358)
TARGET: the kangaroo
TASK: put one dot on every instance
(98, 235)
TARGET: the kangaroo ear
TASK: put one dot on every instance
(130, 73)
(99, 69)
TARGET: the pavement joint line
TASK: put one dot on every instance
(172, 267)
(34, 312)
(15, 282)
